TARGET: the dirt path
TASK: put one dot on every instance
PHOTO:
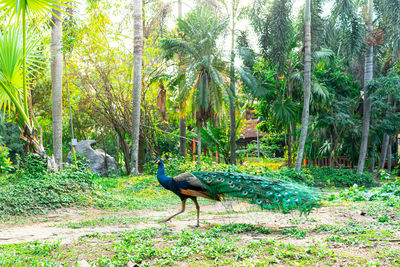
(53, 226)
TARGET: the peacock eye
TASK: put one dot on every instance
(245, 193)
(230, 182)
(232, 185)
(269, 193)
(251, 190)
(287, 200)
(277, 194)
(259, 201)
(239, 188)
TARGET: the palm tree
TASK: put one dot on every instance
(307, 85)
(137, 82)
(368, 73)
(12, 53)
(182, 118)
(278, 42)
(205, 70)
(232, 9)
(232, 95)
(344, 31)
(386, 140)
(388, 14)
(56, 80)
(14, 86)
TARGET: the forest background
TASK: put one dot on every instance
(203, 71)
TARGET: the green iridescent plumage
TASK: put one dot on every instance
(268, 193)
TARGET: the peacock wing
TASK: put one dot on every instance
(188, 180)
(190, 185)
(269, 193)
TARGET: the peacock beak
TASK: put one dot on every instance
(157, 161)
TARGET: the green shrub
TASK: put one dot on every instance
(34, 190)
(9, 136)
(389, 192)
(33, 166)
(340, 177)
(5, 162)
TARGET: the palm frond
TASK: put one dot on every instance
(319, 91)
(11, 61)
(324, 53)
(32, 8)
(285, 111)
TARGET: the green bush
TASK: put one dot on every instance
(389, 192)
(32, 166)
(340, 177)
(9, 136)
(34, 190)
(5, 162)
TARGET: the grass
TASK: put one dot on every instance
(307, 242)
(103, 222)
(132, 193)
(296, 233)
(221, 245)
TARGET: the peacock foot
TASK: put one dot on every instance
(194, 226)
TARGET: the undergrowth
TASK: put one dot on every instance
(311, 176)
(223, 245)
(34, 190)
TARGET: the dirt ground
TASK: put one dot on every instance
(52, 226)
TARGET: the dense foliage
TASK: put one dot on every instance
(312, 176)
(33, 190)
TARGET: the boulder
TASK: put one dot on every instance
(99, 161)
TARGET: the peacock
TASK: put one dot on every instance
(268, 193)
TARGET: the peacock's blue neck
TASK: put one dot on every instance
(161, 177)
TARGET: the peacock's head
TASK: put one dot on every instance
(159, 162)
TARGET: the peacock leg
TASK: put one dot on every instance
(183, 209)
(198, 211)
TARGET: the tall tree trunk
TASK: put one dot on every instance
(56, 84)
(199, 144)
(307, 85)
(367, 102)
(385, 142)
(137, 82)
(232, 125)
(368, 74)
(182, 139)
(141, 152)
(389, 155)
(232, 101)
(182, 120)
(289, 143)
(125, 152)
(372, 161)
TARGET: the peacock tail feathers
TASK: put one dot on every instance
(271, 194)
